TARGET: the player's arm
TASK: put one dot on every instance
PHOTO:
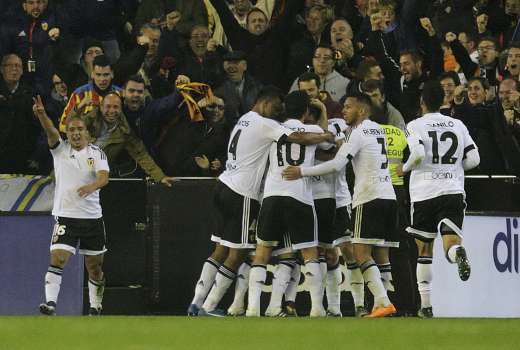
(323, 120)
(340, 160)
(471, 158)
(101, 181)
(53, 135)
(310, 138)
(417, 153)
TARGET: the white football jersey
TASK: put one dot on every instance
(366, 148)
(74, 169)
(445, 140)
(343, 196)
(283, 154)
(248, 150)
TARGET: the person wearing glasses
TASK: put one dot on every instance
(331, 81)
(18, 129)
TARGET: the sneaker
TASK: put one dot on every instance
(382, 311)
(252, 313)
(275, 312)
(93, 311)
(48, 308)
(361, 311)
(236, 311)
(318, 313)
(193, 310)
(425, 312)
(462, 262)
(334, 313)
(213, 313)
(290, 309)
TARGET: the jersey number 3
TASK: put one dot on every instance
(381, 141)
(447, 158)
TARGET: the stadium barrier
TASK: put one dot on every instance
(158, 239)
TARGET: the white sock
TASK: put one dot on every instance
(294, 282)
(53, 283)
(206, 279)
(95, 293)
(241, 285)
(333, 292)
(223, 280)
(257, 278)
(424, 280)
(373, 279)
(281, 278)
(323, 267)
(357, 284)
(315, 283)
(452, 253)
(386, 276)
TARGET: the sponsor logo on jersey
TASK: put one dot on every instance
(506, 242)
(438, 175)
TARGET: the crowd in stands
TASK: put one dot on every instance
(162, 82)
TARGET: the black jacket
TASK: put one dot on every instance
(18, 129)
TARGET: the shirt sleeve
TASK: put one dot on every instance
(58, 148)
(274, 130)
(102, 161)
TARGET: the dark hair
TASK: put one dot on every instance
(314, 112)
(296, 104)
(416, 57)
(372, 85)
(514, 45)
(323, 46)
(362, 98)
(101, 61)
(483, 82)
(308, 76)
(269, 92)
(432, 95)
(255, 9)
(364, 67)
(491, 39)
(136, 78)
(450, 75)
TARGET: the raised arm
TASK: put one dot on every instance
(53, 135)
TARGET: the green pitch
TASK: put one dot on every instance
(136, 333)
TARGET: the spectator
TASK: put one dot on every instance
(513, 60)
(483, 123)
(331, 81)
(382, 112)
(146, 117)
(239, 90)
(84, 98)
(149, 35)
(303, 47)
(509, 109)
(187, 146)
(310, 82)
(18, 130)
(265, 47)
(197, 62)
(110, 131)
(341, 36)
(30, 35)
(449, 82)
(469, 41)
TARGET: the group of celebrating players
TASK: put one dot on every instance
(284, 193)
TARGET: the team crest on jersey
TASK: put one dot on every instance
(45, 26)
(90, 163)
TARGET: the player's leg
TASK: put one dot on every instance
(58, 260)
(292, 290)
(354, 278)
(333, 282)
(237, 307)
(313, 276)
(258, 275)
(226, 274)
(451, 218)
(425, 276)
(207, 277)
(63, 244)
(281, 278)
(382, 259)
(96, 282)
